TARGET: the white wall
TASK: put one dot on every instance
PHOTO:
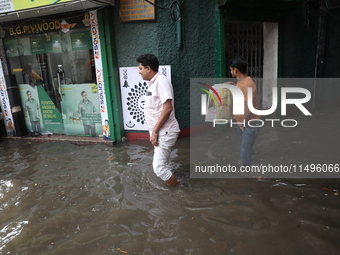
(270, 61)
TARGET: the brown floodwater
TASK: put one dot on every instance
(63, 198)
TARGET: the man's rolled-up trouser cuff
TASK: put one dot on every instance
(162, 172)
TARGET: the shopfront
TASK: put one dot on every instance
(54, 62)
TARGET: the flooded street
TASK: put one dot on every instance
(63, 198)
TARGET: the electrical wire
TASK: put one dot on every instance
(164, 8)
(174, 8)
(329, 17)
(324, 14)
(327, 4)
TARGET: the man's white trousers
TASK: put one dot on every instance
(161, 158)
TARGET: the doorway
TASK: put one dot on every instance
(258, 43)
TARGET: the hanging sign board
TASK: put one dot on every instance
(137, 10)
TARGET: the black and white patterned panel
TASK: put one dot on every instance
(133, 90)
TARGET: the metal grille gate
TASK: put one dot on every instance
(246, 39)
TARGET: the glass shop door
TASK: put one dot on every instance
(55, 73)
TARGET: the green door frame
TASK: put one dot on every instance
(111, 74)
(220, 44)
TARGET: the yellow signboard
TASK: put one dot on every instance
(137, 10)
(18, 5)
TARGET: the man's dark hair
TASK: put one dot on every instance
(149, 60)
(240, 63)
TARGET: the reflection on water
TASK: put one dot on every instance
(61, 198)
(10, 231)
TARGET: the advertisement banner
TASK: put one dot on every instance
(17, 47)
(32, 109)
(99, 69)
(51, 116)
(81, 41)
(18, 5)
(41, 44)
(60, 42)
(81, 115)
(5, 106)
(41, 114)
(3, 59)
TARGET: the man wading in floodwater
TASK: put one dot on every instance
(248, 134)
(160, 116)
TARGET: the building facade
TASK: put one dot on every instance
(192, 39)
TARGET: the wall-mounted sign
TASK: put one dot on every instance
(40, 26)
(137, 10)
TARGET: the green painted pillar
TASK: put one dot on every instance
(111, 73)
(219, 42)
